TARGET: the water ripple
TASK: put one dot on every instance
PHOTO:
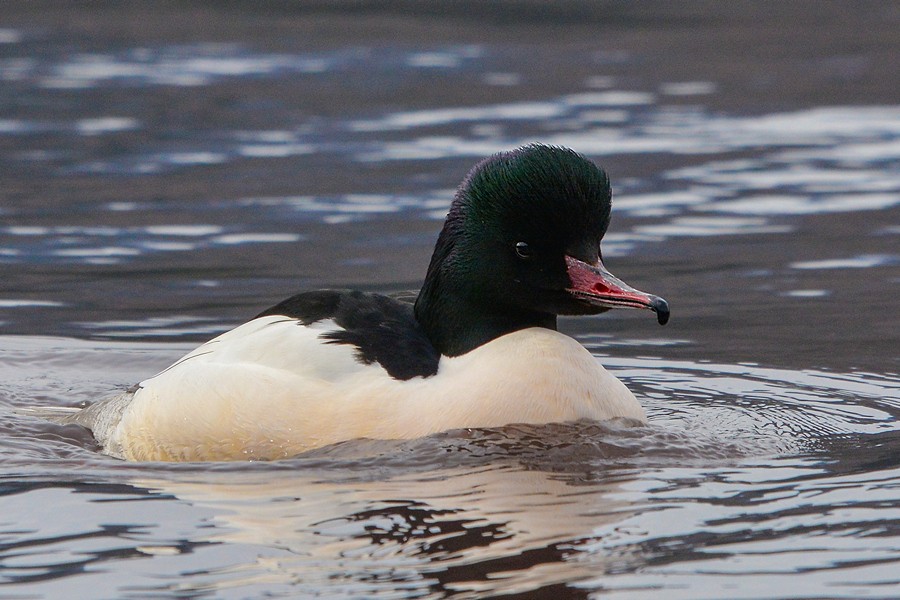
(741, 466)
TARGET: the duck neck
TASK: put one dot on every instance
(457, 324)
(457, 315)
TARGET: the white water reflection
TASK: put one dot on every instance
(180, 66)
(709, 226)
(866, 261)
(664, 203)
(807, 293)
(104, 245)
(404, 526)
(759, 175)
(678, 130)
(10, 36)
(21, 303)
(688, 88)
(444, 58)
(760, 525)
(257, 238)
(156, 327)
(355, 207)
(184, 230)
(800, 205)
(203, 64)
(104, 125)
(663, 130)
(525, 111)
(814, 161)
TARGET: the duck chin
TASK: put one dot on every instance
(586, 309)
(565, 303)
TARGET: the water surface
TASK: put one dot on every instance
(168, 173)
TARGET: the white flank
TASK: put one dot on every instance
(272, 388)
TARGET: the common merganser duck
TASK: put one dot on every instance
(479, 348)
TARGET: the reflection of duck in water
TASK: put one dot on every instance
(491, 527)
(521, 245)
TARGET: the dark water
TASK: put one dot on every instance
(167, 171)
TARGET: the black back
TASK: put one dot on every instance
(382, 329)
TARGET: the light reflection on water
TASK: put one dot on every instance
(189, 66)
(777, 184)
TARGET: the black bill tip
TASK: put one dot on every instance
(661, 308)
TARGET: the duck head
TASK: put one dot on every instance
(521, 245)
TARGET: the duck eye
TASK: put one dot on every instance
(523, 250)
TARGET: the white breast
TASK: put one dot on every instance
(271, 388)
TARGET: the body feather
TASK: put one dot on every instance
(238, 396)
